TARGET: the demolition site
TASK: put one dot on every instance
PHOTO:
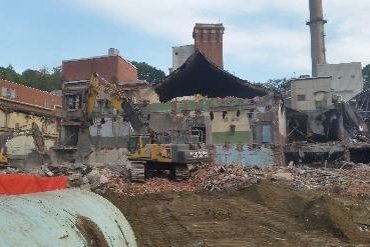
(200, 158)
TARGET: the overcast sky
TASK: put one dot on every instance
(263, 39)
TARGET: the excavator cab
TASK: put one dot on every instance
(136, 144)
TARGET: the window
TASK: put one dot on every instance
(301, 97)
(73, 102)
(232, 129)
(266, 134)
(211, 115)
(224, 113)
(322, 104)
(238, 113)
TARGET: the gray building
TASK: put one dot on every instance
(180, 54)
(334, 83)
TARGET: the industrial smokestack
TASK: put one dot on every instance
(316, 24)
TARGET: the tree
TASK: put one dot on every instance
(9, 74)
(276, 85)
(366, 76)
(148, 73)
(42, 79)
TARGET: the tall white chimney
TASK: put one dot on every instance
(316, 24)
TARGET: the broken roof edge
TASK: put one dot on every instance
(197, 53)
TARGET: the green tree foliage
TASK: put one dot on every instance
(148, 73)
(366, 75)
(42, 79)
(9, 74)
(276, 85)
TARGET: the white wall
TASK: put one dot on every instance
(180, 54)
(347, 78)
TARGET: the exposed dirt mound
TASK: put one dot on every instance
(264, 214)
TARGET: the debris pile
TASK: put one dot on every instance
(216, 178)
(353, 181)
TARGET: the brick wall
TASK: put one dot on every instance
(208, 39)
(113, 68)
(31, 96)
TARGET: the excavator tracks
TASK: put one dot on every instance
(181, 172)
(137, 171)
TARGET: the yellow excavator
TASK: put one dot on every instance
(149, 151)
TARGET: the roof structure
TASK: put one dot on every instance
(200, 76)
(29, 95)
(20, 98)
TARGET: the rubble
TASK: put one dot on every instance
(351, 180)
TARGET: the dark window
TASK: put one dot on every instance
(211, 115)
(224, 113)
(301, 97)
(238, 113)
(73, 102)
(232, 129)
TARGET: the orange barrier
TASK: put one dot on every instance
(16, 184)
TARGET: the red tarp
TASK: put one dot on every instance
(16, 184)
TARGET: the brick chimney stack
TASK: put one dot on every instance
(208, 39)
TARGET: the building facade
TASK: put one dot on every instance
(20, 107)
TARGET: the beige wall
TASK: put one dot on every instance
(24, 145)
(310, 87)
(24, 121)
(223, 125)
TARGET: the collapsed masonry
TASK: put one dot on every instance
(335, 134)
(240, 122)
(29, 123)
(106, 129)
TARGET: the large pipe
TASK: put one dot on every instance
(62, 218)
(316, 24)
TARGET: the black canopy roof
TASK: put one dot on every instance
(200, 76)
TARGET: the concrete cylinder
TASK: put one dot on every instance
(62, 218)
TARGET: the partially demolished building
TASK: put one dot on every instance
(241, 123)
(106, 129)
(20, 108)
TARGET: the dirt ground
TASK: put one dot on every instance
(263, 214)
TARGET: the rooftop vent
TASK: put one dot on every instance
(113, 52)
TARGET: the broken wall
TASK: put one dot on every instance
(110, 132)
(245, 155)
(230, 127)
(248, 132)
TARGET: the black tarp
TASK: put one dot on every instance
(200, 76)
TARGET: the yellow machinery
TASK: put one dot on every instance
(148, 150)
(149, 155)
(98, 85)
(3, 158)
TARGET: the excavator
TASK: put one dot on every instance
(149, 151)
(36, 134)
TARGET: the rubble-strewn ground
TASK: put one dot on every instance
(237, 206)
